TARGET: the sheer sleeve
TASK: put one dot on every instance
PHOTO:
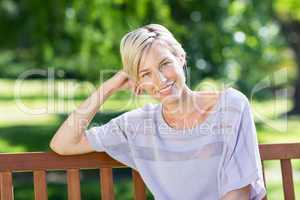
(241, 165)
(112, 139)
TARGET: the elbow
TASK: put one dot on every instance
(57, 149)
(57, 146)
(60, 150)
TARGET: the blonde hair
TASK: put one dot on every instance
(134, 44)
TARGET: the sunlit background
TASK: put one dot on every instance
(53, 54)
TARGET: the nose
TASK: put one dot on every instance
(162, 77)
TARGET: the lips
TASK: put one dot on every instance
(167, 87)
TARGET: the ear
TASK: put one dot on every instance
(139, 91)
(181, 59)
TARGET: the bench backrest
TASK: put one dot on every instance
(40, 162)
(283, 152)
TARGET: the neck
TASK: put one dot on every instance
(183, 106)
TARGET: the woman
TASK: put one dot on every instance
(192, 145)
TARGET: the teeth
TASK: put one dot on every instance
(167, 87)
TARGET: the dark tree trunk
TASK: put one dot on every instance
(291, 32)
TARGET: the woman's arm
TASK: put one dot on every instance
(239, 194)
(70, 138)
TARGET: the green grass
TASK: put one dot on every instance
(275, 191)
(20, 131)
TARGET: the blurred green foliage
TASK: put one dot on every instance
(236, 41)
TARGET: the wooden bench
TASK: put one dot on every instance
(40, 162)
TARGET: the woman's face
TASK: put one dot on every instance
(161, 74)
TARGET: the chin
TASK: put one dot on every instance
(174, 96)
(171, 98)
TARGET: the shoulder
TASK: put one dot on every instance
(142, 112)
(243, 115)
(236, 100)
(139, 114)
(135, 120)
(238, 115)
(233, 106)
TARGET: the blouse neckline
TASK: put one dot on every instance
(167, 127)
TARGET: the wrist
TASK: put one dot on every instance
(109, 86)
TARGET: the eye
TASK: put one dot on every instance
(145, 74)
(164, 65)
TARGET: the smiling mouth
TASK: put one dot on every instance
(166, 88)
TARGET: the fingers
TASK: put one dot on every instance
(123, 73)
(130, 84)
(134, 90)
(137, 91)
(140, 92)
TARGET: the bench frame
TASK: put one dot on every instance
(41, 162)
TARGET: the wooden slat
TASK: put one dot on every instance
(40, 185)
(14, 162)
(6, 185)
(279, 151)
(0, 184)
(139, 186)
(52, 161)
(265, 198)
(106, 184)
(287, 179)
(263, 171)
(264, 177)
(73, 180)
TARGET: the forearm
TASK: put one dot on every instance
(238, 194)
(70, 132)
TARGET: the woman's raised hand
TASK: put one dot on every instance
(121, 81)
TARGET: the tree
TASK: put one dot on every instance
(80, 37)
(287, 13)
(236, 41)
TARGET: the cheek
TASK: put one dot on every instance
(173, 73)
(178, 71)
(180, 75)
(170, 71)
(149, 87)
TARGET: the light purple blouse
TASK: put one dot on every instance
(200, 163)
